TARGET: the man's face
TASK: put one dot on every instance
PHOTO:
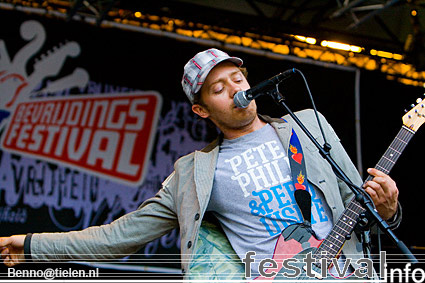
(217, 92)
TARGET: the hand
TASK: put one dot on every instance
(12, 250)
(384, 193)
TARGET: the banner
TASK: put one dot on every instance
(106, 135)
(85, 140)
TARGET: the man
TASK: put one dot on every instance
(243, 179)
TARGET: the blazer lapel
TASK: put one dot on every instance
(205, 164)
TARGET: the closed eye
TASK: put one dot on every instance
(238, 79)
(218, 91)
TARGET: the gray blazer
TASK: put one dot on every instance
(183, 199)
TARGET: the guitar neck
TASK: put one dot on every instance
(391, 155)
(332, 244)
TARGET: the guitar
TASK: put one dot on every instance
(294, 239)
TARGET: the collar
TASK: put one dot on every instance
(264, 118)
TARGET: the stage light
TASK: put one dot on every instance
(386, 54)
(309, 40)
(397, 56)
(341, 46)
(356, 49)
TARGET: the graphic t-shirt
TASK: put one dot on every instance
(253, 196)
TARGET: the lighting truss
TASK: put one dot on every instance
(105, 13)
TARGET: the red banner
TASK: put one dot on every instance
(108, 135)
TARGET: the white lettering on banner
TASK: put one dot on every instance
(108, 135)
(119, 124)
(262, 175)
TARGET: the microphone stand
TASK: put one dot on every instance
(365, 201)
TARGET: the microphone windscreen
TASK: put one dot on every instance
(240, 99)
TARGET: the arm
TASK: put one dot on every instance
(154, 218)
(126, 235)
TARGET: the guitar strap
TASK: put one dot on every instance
(299, 177)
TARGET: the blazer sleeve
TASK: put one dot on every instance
(124, 236)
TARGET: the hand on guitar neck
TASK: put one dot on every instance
(382, 189)
(384, 193)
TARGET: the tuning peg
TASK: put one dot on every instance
(413, 105)
(405, 110)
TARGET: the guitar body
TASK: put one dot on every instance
(295, 242)
(288, 274)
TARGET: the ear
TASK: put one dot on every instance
(202, 111)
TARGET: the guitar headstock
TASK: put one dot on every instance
(416, 116)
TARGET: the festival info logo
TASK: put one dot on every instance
(108, 135)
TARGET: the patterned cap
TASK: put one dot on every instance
(198, 68)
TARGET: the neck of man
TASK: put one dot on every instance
(254, 125)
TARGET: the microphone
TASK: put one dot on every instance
(244, 97)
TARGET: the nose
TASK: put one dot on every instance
(234, 89)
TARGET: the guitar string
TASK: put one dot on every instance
(395, 149)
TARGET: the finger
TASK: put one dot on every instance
(387, 184)
(381, 180)
(373, 194)
(379, 185)
(376, 172)
(372, 184)
(9, 261)
(376, 187)
(6, 259)
(4, 253)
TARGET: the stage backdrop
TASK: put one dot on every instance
(93, 119)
